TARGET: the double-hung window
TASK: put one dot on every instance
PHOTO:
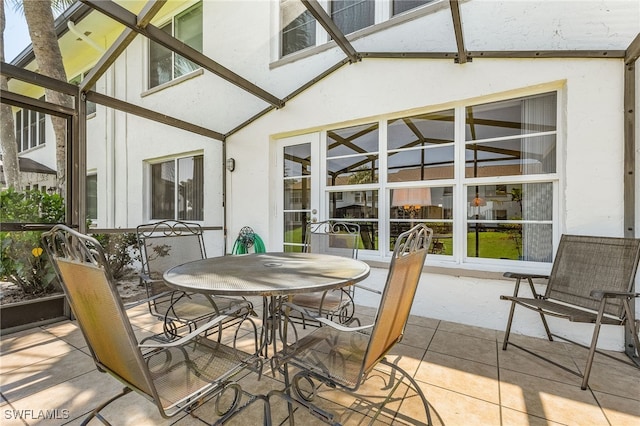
(482, 176)
(299, 30)
(166, 65)
(177, 189)
(30, 129)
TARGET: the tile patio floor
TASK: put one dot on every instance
(465, 375)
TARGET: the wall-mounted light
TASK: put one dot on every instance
(231, 164)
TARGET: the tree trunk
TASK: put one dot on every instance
(44, 41)
(10, 164)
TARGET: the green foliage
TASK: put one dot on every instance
(120, 251)
(24, 262)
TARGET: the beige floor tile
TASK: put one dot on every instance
(466, 347)
(23, 339)
(474, 379)
(33, 353)
(468, 330)
(516, 359)
(69, 332)
(417, 335)
(71, 399)
(615, 379)
(455, 409)
(34, 378)
(423, 322)
(552, 400)
(511, 417)
(620, 411)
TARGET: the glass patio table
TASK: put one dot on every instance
(270, 275)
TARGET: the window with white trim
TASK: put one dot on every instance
(177, 189)
(166, 65)
(30, 128)
(299, 29)
(482, 176)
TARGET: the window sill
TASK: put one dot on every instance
(391, 22)
(489, 272)
(173, 82)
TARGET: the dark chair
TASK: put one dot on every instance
(170, 243)
(176, 374)
(591, 281)
(343, 357)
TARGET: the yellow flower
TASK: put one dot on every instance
(37, 251)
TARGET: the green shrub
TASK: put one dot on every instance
(120, 251)
(24, 262)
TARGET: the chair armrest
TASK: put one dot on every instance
(601, 294)
(187, 337)
(519, 275)
(323, 320)
(372, 290)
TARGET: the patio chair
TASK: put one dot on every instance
(177, 374)
(170, 243)
(343, 357)
(591, 281)
(338, 239)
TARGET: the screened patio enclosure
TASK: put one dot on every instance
(470, 116)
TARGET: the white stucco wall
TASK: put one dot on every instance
(590, 146)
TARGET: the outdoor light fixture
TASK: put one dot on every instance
(231, 164)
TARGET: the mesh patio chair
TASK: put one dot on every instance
(338, 239)
(343, 357)
(178, 374)
(164, 245)
(591, 281)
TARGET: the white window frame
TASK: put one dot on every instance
(459, 184)
(41, 133)
(160, 25)
(149, 187)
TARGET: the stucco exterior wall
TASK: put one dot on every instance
(590, 150)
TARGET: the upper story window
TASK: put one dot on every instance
(177, 189)
(91, 106)
(166, 65)
(352, 15)
(299, 29)
(400, 6)
(30, 129)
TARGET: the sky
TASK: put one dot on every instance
(16, 34)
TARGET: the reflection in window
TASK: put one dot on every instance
(430, 205)
(92, 197)
(421, 147)
(164, 64)
(352, 15)
(400, 6)
(514, 137)
(181, 201)
(298, 27)
(360, 207)
(352, 155)
(512, 221)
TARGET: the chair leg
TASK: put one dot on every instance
(594, 343)
(413, 383)
(632, 342)
(508, 329)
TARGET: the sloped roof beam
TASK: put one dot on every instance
(457, 28)
(144, 18)
(633, 51)
(22, 101)
(128, 19)
(327, 23)
(126, 107)
(11, 71)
